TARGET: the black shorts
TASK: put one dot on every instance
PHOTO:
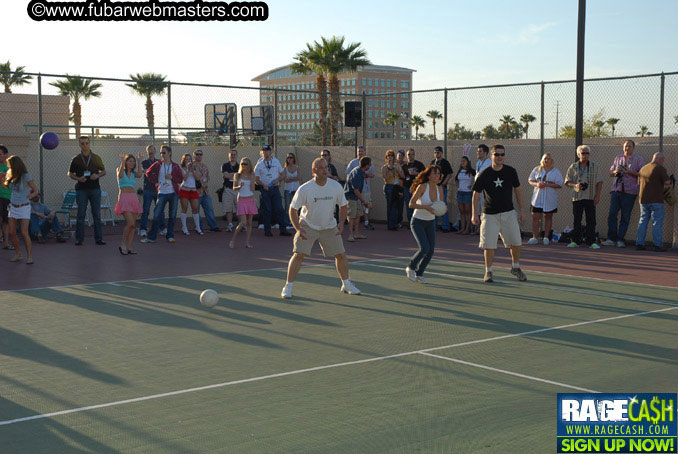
(541, 210)
(4, 207)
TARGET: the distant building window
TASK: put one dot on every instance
(405, 95)
(388, 83)
(404, 84)
(364, 81)
(369, 82)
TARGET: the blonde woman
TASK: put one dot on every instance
(243, 184)
(20, 182)
(391, 172)
(128, 204)
(546, 180)
(188, 193)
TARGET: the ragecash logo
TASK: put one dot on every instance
(597, 423)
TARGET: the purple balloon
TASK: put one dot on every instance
(49, 140)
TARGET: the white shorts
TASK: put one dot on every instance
(23, 212)
(504, 224)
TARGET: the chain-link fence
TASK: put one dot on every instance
(530, 119)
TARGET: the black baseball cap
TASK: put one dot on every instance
(266, 148)
(438, 149)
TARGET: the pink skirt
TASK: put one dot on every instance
(246, 206)
(128, 201)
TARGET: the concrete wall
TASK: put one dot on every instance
(17, 110)
(524, 155)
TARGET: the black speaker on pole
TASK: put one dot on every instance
(353, 114)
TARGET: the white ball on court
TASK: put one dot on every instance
(439, 207)
(209, 298)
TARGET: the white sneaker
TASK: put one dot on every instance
(421, 280)
(546, 242)
(286, 292)
(411, 275)
(349, 288)
(608, 242)
(163, 232)
(621, 244)
(142, 233)
(275, 226)
(261, 226)
(533, 241)
(185, 232)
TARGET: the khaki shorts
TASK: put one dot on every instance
(229, 201)
(504, 224)
(355, 209)
(330, 243)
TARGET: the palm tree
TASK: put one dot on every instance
(526, 119)
(505, 127)
(644, 131)
(331, 58)
(612, 122)
(598, 124)
(310, 61)
(76, 87)
(392, 119)
(417, 122)
(434, 115)
(148, 85)
(13, 77)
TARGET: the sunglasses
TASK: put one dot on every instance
(198, 154)
(324, 155)
(163, 152)
(500, 154)
(585, 152)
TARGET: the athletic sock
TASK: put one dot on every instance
(183, 222)
(515, 264)
(290, 284)
(345, 281)
(196, 221)
(488, 269)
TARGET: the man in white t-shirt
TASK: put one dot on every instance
(316, 199)
(269, 174)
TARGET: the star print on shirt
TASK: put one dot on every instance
(498, 183)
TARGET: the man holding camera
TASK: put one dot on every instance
(582, 177)
(625, 189)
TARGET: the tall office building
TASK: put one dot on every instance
(299, 111)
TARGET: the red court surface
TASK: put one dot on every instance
(65, 264)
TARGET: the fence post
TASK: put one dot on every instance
(661, 114)
(541, 144)
(42, 194)
(363, 117)
(275, 121)
(445, 125)
(169, 114)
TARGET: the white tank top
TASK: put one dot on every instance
(245, 189)
(292, 185)
(189, 182)
(425, 199)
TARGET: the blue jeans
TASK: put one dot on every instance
(624, 202)
(150, 196)
(391, 206)
(173, 200)
(205, 201)
(44, 225)
(271, 202)
(656, 211)
(445, 224)
(407, 195)
(425, 234)
(93, 196)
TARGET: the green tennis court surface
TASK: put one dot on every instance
(454, 366)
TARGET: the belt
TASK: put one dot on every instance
(19, 206)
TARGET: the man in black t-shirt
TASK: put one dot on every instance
(411, 169)
(86, 168)
(446, 173)
(497, 183)
(229, 197)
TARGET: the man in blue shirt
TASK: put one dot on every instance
(43, 220)
(355, 197)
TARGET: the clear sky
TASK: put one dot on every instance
(449, 43)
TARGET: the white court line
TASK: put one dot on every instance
(639, 284)
(528, 284)
(329, 366)
(508, 372)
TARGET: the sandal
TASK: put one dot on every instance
(123, 251)
(132, 252)
(16, 258)
(249, 246)
(231, 244)
(29, 261)
(9, 247)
